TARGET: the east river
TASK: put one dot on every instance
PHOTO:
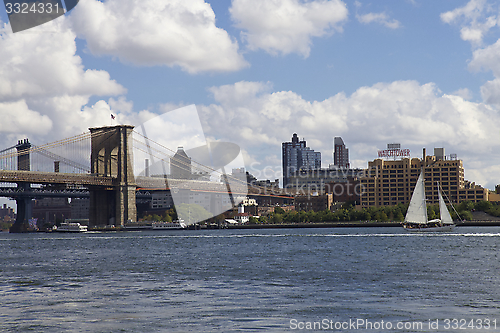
(336, 279)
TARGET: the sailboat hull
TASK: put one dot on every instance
(424, 228)
(416, 215)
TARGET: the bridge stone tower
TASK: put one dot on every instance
(111, 156)
(24, 203)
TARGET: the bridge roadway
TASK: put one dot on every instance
(194, 185)
(39, 177)
(157, 183)
(237, 187)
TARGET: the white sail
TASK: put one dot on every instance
(417, 210)
(443, 210)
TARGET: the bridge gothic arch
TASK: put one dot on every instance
(111, 156)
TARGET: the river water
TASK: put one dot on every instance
(337, 279)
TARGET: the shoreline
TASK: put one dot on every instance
(352, 225)
(293, 226)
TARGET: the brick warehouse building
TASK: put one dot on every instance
(391, 182)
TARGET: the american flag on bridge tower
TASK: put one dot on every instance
(112, 117)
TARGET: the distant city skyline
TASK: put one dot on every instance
(340, 153)
(296, 155)
(420, 73)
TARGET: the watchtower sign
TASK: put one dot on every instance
(394, 151)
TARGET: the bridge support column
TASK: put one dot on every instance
(111, 156)
(24, 213)
(24, 204)
(101, 207)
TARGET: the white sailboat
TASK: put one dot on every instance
(416, 216)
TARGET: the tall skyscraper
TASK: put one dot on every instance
(180, 165)
(296, 155)
(340, 154)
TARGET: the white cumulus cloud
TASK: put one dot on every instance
(488, 59)
(286, 26)
(416, 115)
(44, 86)
(18, 118)
(475, 19)
(157, 32)
(380, 18)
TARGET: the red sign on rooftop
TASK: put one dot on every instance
(394, 150)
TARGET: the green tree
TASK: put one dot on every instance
(465, 206)
(431, 214)
(495, 210)
(381, 216)
(172, 213)
(466, 215)
(399, 216)
(365, 215)
(313, 216)
(329, 216)
(192, 213)
(292, 216)
(277, 218)
(279, 210)
(484, 206)
(302, 216)
(253, 220)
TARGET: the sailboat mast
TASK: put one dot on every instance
(424, 200)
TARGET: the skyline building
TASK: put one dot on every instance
(392, 182)
(318, 180)
(297, 156)
(340, 154)
(180, 165)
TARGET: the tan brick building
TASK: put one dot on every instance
(391, 182)
(314, 203)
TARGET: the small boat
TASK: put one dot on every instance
(71, 227)
(178, 224)
(416, 216)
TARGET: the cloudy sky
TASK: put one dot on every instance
(420, 73)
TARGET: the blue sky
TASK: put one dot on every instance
(421, 73)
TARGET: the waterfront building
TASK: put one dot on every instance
(80, 208)
(271, 200)
(316, 203)
(7, 213)
(297, 156)
(345, 191)
(340, 154)
(248, 202)
(161, 199)
(51, 210)
(390, 182)
(267, 183)
(241, 218)
(248, 206)
(314, 180)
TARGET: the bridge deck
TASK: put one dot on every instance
(38, 177)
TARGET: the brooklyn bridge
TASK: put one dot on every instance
(99, 165)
